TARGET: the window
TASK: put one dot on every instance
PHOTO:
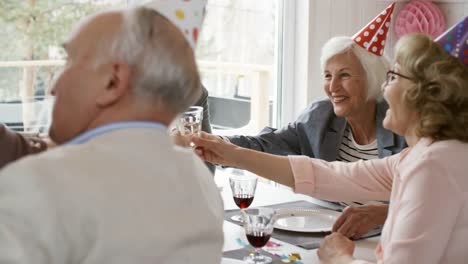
(31, 34)
(237, 53)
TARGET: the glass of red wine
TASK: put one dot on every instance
(243, 191)
(258, 226)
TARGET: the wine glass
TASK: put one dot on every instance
(258, 226)
(243, 191)
(190, 122)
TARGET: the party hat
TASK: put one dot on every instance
(455, 41)
(187, 15)
(372, 37)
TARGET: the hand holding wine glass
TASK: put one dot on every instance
(213, 149)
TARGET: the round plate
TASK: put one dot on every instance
(306, 220)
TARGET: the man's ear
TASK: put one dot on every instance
(117, 85)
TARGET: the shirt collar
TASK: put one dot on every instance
(86, 136)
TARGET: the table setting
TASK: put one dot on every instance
(296, 223)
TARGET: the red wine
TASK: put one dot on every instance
(258, 240)
(243, 200)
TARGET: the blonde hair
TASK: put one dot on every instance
(439, 91)
(374, 66)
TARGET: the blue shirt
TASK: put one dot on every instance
(86, 136)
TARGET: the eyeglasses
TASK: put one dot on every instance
(391, 77)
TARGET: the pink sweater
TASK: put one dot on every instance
(428, 190)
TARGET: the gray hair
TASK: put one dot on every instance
(376, 67)
(162, 61)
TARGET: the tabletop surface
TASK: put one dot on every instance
(268, 194)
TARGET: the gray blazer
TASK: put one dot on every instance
(203, 101)
(318, 133)
(206, 126)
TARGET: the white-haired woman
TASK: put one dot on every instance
(347, 126)
(427, 183)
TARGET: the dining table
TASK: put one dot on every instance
(268, 194)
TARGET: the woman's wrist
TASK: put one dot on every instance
(239, 158)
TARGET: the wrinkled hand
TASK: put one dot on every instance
(358, 220)
(336, 248)
(215, 150)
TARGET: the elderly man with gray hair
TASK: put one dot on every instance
(115, 190)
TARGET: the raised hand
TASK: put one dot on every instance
(215, 150)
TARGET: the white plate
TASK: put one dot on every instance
(231, 261)
(306, 220)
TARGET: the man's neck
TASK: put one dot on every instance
(126, 116)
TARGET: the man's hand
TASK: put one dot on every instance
(336, 248)
(358, 220)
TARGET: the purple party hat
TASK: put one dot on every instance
(455, 41)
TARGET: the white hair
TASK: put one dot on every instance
(376, 67)
(163, 65)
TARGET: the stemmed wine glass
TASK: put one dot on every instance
(243, 191)
(258, 226)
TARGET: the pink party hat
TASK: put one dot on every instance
(455, 40)
(187, 15)
(373, 36)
